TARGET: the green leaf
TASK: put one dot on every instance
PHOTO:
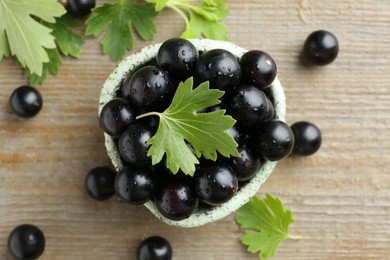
(68, 41)
(268, 224)
(180, 122)
(200, 27)
(204, 19)
(52, 66)
(4, 48)
(27, 38)
(117, 19)
(212, 10)
(160, 4)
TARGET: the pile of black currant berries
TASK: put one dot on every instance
(151, 87)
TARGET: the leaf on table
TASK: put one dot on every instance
(52, 66)
(212, 10)
(200, 27)
(4, 48)
(180, 122)
(160, 4)
(202, 20)
(268, 223)
(27, 38)
(68, 41)
(117, 20)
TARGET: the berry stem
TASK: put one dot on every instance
(148, 114)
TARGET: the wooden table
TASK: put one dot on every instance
(340, 196)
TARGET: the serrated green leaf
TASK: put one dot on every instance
(117, 19)
(180, 122)
(142, 20)
(200, 27)
(52, 66)
(268, 223)
(27, 38)
(4, 48)
(212, 10)
(68, 41)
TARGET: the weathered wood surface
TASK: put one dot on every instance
(340, 196)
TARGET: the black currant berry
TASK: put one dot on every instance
(154, 248)
(26, 101)
(247, 164)
(248, 105)
(176, 199)
(320, 48)
(178, 57)
(26, 242)
(79, 8)
(135, 185)
(215, 183)
(133, 145)
(116, 116)
(99, 183)
(258, 69)
(151, 88)
(275, 140)
(307, 138)
(220, 67)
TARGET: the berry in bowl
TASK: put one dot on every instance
(193, 128)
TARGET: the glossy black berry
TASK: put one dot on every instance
(154, 248)
(247, 164)
(151, 88)
(116, 116)
(258, 69)
(135, 185)
(215, 183)
(26, 242)
(220, 67)
(133, 146)
(275, 140)
(26, 101)
(80, 8)
(178, 57)
(307, 138)
(248, 105)
(176, 199)
(270, 114)
(321, 48)
(99, 183)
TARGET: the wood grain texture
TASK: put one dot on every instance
(340, 197)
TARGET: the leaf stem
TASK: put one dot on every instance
(180, 12)
(293, 237)
(154, 113)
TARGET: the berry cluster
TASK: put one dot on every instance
(150, 87)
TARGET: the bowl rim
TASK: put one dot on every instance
(199, 217)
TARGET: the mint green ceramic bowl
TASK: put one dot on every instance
(245, 193)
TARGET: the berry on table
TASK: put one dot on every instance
(99, 183)
(321, 47)
(79, 8)
(307, 138)
(26, 101)
(26, 242)
(154, 248)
